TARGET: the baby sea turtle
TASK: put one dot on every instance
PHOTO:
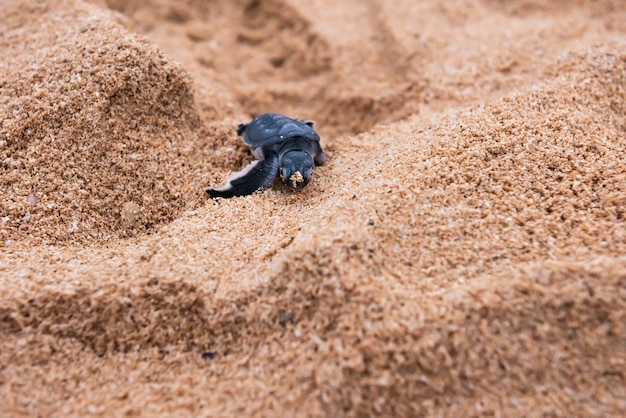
(281, 145)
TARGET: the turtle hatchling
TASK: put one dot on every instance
(282, 145)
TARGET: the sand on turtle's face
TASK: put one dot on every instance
(460, 252)
(295, 179)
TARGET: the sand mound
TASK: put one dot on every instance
(464, 263)
(96, 128)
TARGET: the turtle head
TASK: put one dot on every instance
(296, 169)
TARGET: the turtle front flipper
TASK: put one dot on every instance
(319, 156)
(257, 175)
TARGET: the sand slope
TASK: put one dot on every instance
(460, 254)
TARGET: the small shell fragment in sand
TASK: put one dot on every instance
(73, 226)
(130, 212)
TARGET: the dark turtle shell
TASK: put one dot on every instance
(281, 145)
(271, 129)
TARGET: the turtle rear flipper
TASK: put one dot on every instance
(257, 175)
(241, 128)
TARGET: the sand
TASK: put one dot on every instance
(461, 253)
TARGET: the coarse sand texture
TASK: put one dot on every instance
(461, 253)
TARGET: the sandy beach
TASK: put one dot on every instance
(461, 253)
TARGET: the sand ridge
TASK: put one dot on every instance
(461, 252)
